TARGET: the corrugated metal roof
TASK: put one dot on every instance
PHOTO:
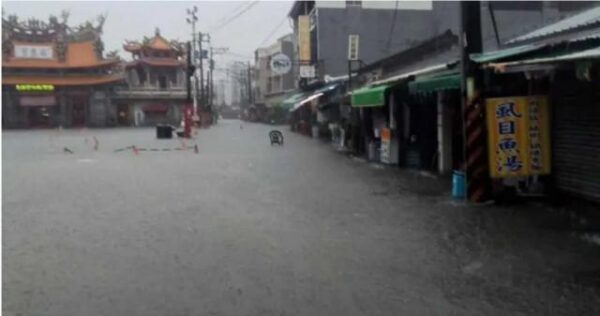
(587, 17)
(586, 36)
(592, 53)
(504, 53)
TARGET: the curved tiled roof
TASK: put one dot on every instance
(61, 80)
(157, 43)
(157, 62)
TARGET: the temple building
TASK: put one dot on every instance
(155, 83)
(56, 75)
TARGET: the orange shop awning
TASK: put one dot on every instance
(61, 81)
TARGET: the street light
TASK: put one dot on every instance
(192, 19)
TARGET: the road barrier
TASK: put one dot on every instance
(136, 150)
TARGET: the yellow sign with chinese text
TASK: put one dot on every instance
(518, 136)
(304, 38)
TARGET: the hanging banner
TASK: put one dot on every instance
(304, 38)
(518, 136)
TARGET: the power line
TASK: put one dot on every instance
(252, 4)
(389, 41)
(238, 55)
(273, 32)
(234, 11)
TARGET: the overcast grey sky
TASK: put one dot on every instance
(134, 19)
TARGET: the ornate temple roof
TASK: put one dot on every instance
(63, 46)
(156, 43)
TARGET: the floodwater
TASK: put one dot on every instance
(245, 228)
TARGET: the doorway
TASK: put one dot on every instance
(162, 82)
(78, 115)
(38, 117)
(123, 115)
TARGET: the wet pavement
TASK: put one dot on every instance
(245, 228)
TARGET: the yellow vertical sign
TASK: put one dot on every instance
(304, 38)
(518, 136)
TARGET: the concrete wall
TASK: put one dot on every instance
(385, 5)
(412, 26)
(373, 27)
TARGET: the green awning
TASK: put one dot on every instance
(369, 96)
(291, 101)
(437, 82)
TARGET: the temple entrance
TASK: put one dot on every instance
(38, 116)
(78, 115)
(123, 115)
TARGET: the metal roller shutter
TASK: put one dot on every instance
(576, 145)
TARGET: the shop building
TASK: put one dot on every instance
(154, 91)
(550, 78)
(273, 85)
(410, 101)
(56, 75)
(408, 108)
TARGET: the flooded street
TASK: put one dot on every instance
(245, 228)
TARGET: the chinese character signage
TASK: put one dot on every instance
(34, 87)
(518, 136)
(33, 52)
(539, 135)
(353, 47)
(304, 38)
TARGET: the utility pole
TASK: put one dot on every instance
(249, 85)
(201, 36)
(215, 51)
(188, 71)
(211, 67)
(188, 108)
(192, 19)
(474, 137)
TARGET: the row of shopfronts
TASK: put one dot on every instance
(540, 107)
